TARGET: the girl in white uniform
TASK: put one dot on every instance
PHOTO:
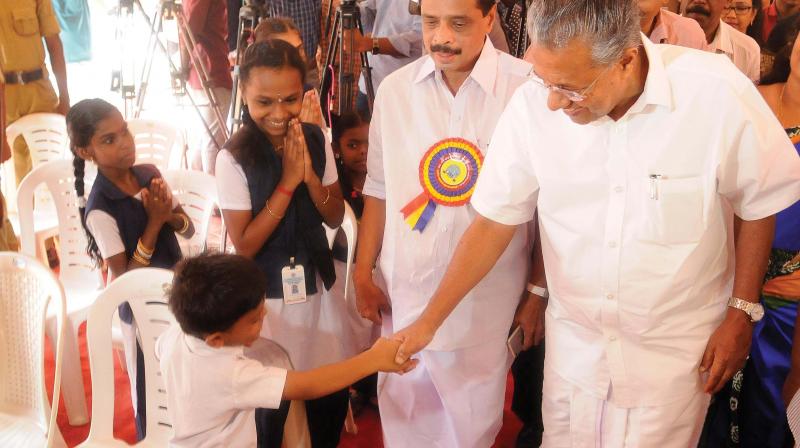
(277, 185)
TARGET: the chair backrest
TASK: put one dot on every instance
(26, 290)
(44, 133)
(197, 193)
(155, 142)
(59, 179)
(350, 228)
(47, 139)
(145, 290)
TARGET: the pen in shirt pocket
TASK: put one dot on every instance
(654, 181)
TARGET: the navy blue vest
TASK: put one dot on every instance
(131, 219)
(300, 233)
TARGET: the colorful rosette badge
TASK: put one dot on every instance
(447, 173)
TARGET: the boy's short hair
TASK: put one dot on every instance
(211, 292)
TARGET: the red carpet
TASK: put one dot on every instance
(368, 421)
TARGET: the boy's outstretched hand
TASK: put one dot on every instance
(383, 352)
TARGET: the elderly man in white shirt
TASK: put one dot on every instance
(644, 160)
(432, 123)
(722, 38)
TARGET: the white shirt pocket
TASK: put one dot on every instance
(673, 209)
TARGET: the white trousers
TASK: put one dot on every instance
(453, 399)
(572, 418)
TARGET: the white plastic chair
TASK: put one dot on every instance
(46, 137)
(145, 290)
(156, 142)
(295, 430)
(82, 281)
(26, 289)
(197, 193)
(350, 228)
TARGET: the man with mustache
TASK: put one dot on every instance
(430, 130)
(637, 159)
(722, 38)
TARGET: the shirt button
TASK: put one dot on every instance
(612, 338)
(610, 296)
(618, 189)
(444, 229)
(612, 244)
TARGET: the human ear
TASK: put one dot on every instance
(215, 340)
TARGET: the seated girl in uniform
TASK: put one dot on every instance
(130, 216)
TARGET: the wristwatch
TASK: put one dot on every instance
(376, 46)
(754, 310)
(538, 290)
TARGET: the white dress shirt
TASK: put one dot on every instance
(391, 20)
(639, 267)
(414, 109)
(742, 50)
(213, 392)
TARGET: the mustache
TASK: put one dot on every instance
(445, 49)
(698, 9)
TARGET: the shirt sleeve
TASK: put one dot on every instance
(754, 71)
(257, 386)
(106, 234)
(507, 188)
(232, 188)
(330, 176)
(48, 24)
(410, 40)
(759, 171)
(375, 183)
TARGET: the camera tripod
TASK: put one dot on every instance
(167, 10)
(251, 12)
(340, 73)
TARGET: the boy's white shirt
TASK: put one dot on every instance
(213, 392)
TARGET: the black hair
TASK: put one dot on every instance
(272, 26)
(484, 5)
(273, 53)
(780, 43)
(211, 292)
(756, 29)
(82, 120)
(348, 120)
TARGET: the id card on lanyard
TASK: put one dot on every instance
(294, 283)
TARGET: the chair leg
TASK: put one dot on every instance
(72, 390)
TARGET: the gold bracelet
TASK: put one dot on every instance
(138, 258)
(142, 254)
(185, 224)
(328, 197)
(269, 210)
(147, 253)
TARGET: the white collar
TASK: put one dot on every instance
(484, 72)
(722, 41)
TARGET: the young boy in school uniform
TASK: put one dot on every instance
(213, 389)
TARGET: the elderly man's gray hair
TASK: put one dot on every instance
(608, 26)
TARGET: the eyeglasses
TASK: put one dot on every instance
(572, 95)
(740, 10)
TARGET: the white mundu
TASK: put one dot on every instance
(636, 221)
(455, 396)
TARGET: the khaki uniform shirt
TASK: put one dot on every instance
(23, 24)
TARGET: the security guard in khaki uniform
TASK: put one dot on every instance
(8, 240)
(23, 24)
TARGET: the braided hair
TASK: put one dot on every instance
(82, 120)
